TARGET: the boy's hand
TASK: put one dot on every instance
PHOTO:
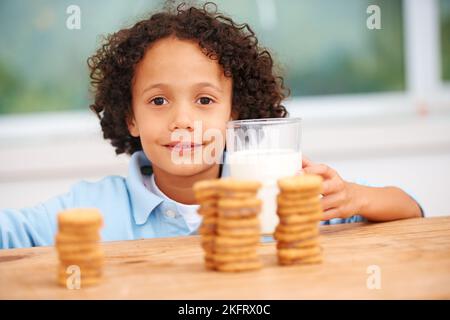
(339, 197)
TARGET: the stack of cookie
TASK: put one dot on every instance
(77, 243)
(230, 228)
(299, 209)
(206, 194)
(238, 226)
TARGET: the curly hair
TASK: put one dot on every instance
(257, 90)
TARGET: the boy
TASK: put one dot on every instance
(153, 81)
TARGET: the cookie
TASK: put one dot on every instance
(302, 184)
(299, 210)
(238, 227)
(240, 249)
(298, 219)
(297, 253)
(208, 226)
(239, 208)
(235, 185)
(207, 211)
(287, 203)
(306, 260)
(229, 241)
(238, 223)
(302, 243)
(238, 232)
(70, 249)
(80, 218)
(82, 257)
(234, 257)
(84, 271)
(294, 228)
(206, 189)
(76, 238)
(68, 282)
(295, 236)
(237, 194)
(207, 242)
(239, 266)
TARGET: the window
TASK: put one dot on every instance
(43, 63)
(445, 38)
(323, 47)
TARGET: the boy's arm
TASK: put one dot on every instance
(384, 203)
(34, 226)
(342, 200)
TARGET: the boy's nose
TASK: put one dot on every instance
(181, 120)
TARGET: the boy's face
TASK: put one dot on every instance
(175, 88)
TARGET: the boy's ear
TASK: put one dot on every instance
(132, 126)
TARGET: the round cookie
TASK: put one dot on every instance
(233, 257)
(307, 260)
(239, 266)
(304, 243)
(64, 238)
(300, 196)
(62, 281)
(206, 189)
(79, 218)
(230, 241)
(239, 208)
(84, 272)
(233, 184)
(238, 213)
(79, 231)
(298, 219)
(207, 242)
(207, 210)
(92, 257)
(287, 203)
(70, 249)
(297, 253)
(295, 228)
(237, 194)
(238, 231)
(208, 226)
(300, 183)
(241, 249)
(283, 211)
(207, 229)
(237, 223)
(295, 236)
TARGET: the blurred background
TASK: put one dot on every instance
(375, 103)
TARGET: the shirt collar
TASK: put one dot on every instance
(143, 202)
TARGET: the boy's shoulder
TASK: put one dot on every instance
(110, 185)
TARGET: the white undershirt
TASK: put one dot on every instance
(188, 211)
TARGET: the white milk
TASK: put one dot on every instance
(266, 166)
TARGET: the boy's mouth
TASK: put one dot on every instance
(182, 146)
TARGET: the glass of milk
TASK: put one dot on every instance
(265, 150)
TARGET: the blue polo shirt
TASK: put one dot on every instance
(130, 211)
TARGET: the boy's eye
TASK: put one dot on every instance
(205, 100)
(159, 101)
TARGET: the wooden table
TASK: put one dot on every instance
(413, 257)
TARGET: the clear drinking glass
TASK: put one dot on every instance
(265, 150)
